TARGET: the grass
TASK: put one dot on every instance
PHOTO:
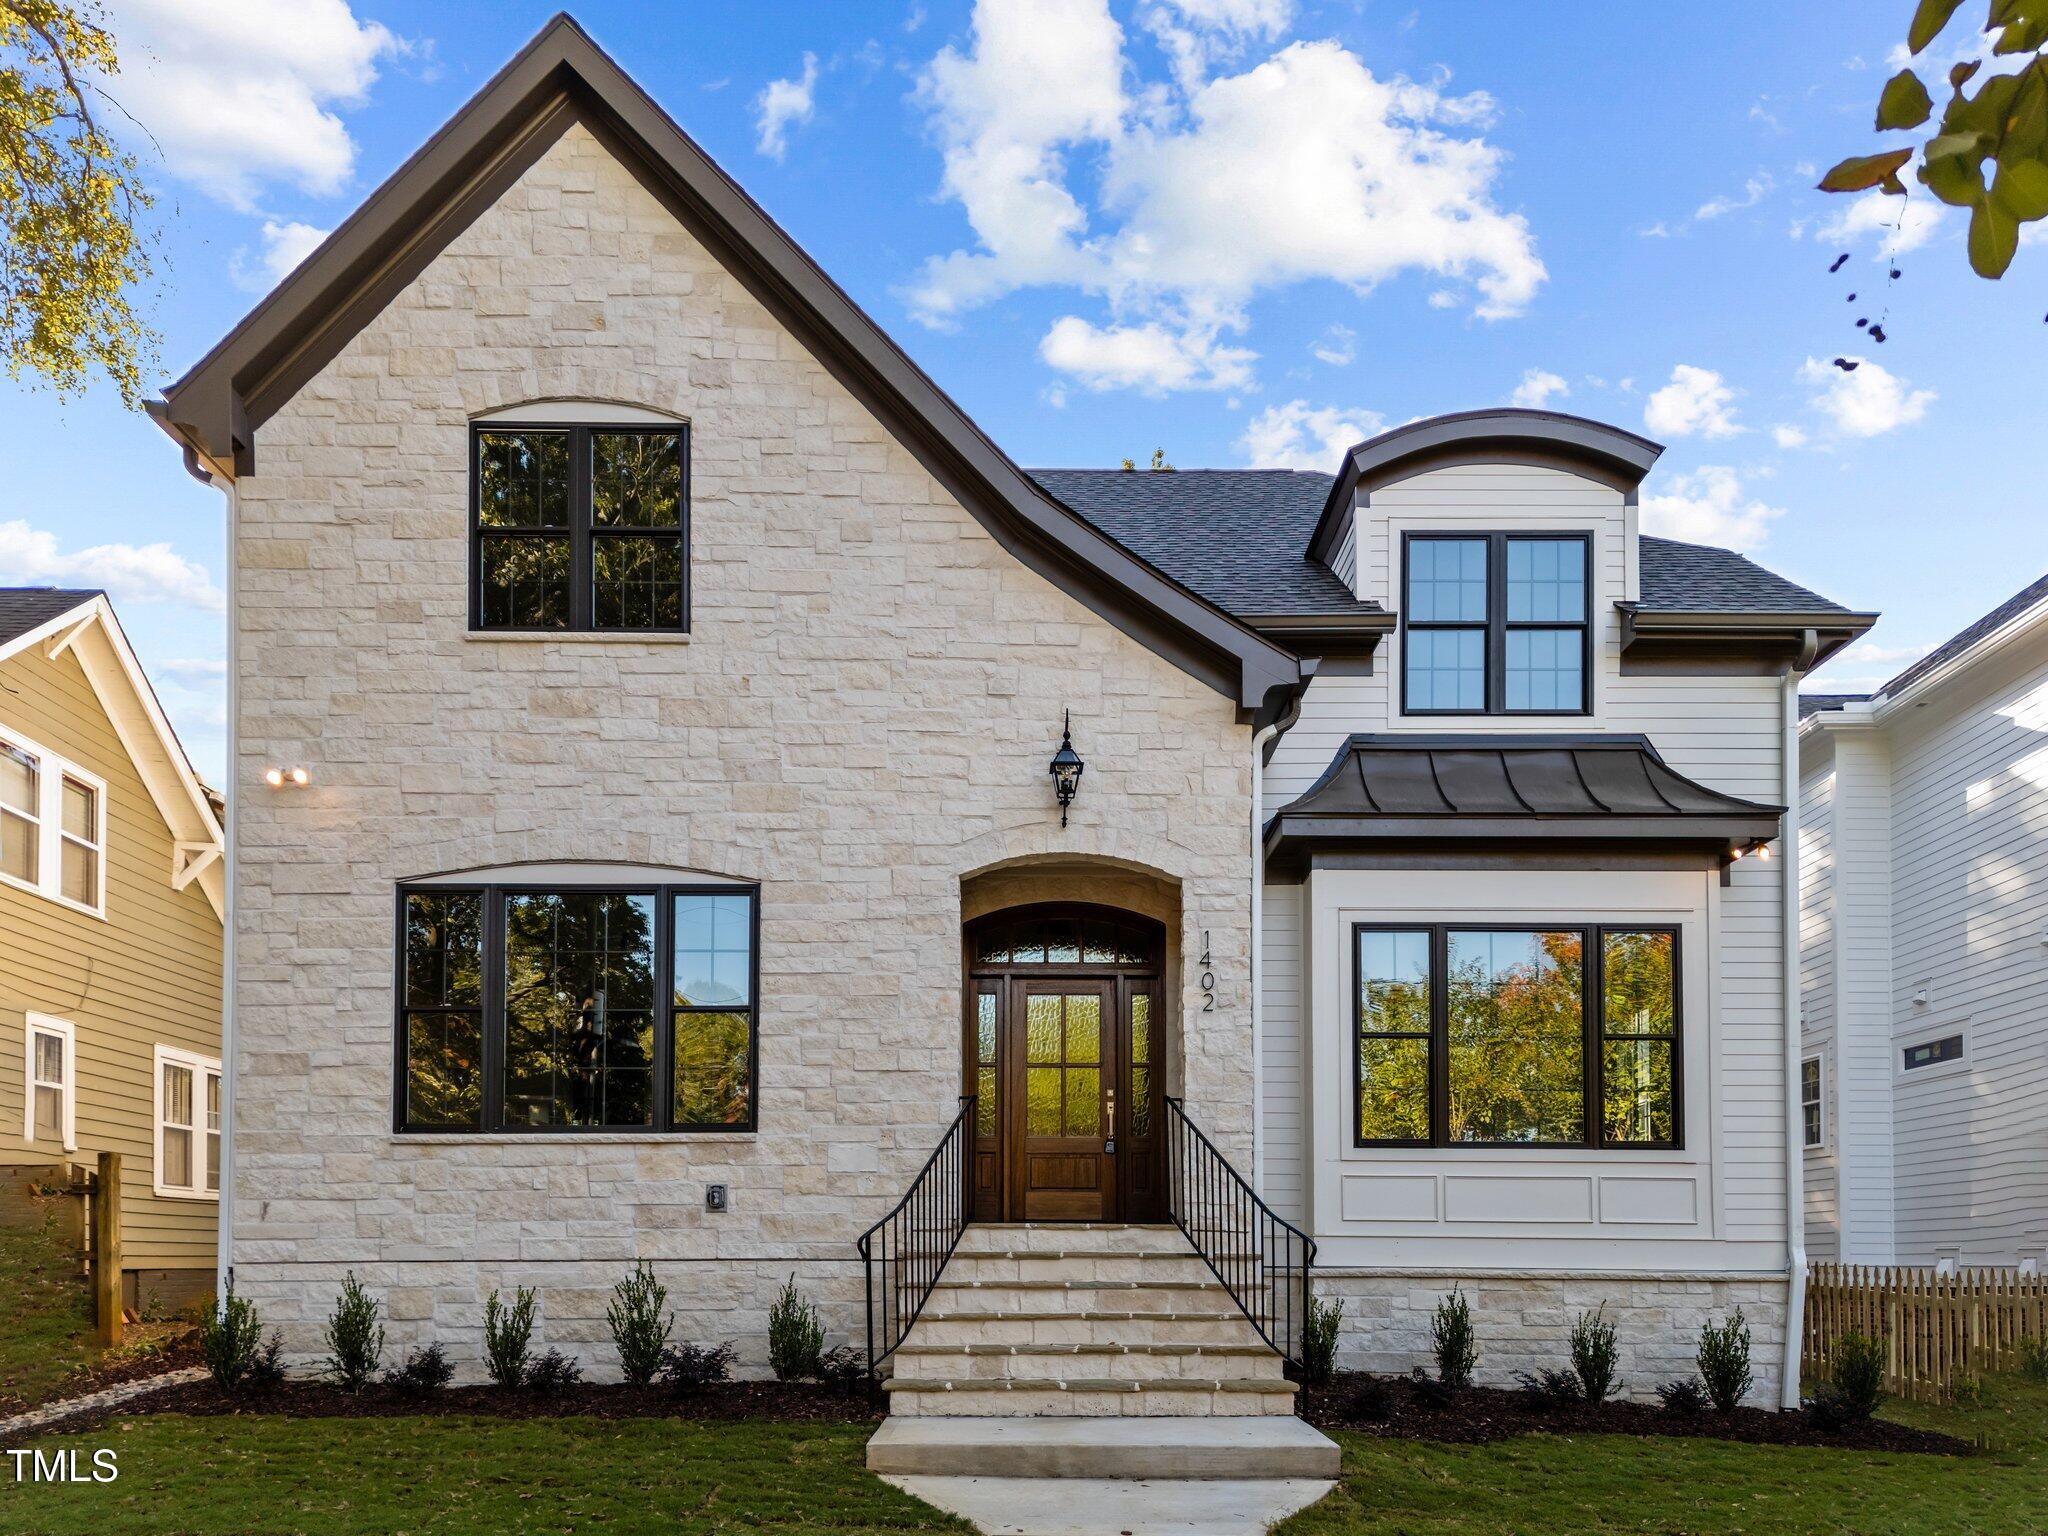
(46, 1332)
(443, 1476)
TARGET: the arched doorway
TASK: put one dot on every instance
(1064, 1054)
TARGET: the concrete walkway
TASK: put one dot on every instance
(1088, 1506)
(49, 1415)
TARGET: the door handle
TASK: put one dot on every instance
(1112, 1115)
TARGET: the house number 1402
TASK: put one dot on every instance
(1208, 976)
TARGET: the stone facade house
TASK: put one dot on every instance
(675, 671)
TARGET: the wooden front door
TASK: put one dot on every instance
(1064, 1051)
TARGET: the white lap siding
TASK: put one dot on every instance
(1817, 998)
(1281, 1080)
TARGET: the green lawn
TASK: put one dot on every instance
(46, 1329)
(435, 1477)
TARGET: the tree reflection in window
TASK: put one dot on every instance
(579, 1009)
(444, 1010)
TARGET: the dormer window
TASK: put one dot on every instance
(579, 527)
(1496, 624)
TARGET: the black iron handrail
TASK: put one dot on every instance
(1262, 1258)
(907, 1248)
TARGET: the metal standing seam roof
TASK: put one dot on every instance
(25, 608)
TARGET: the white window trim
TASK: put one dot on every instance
(52, 769)
(201, 1067)
(43, 1024)
(1819, 1060)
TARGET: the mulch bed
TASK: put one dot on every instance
(1410, 1410)
(177, 1351)
(789, 1402)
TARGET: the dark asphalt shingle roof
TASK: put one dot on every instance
(1814, 703)
(24, 608)
(1239, 537)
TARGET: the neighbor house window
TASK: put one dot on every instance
(51, 1103)
(1932, 1053)
(580, 528)
(577, 1008)
(188, 1111)
(1553, 1036)
(1809, 1101)
(53, 826)
(1496, 624)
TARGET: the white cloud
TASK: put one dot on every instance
(1904, 223)
(193, 669)
(1787, 436)
(1151, 357)
(781, 104)
(1204, 190)
(1696, 400)
(286, 243)
(1338, 346)
(1300, 436)
(130, 573)
(1754, 191)
(243, 93)
(1709, 507)
(1537, 387)
(1867, 402)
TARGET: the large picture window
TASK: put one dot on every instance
(580, 528)
(577, 1008)
(1499, 1036)
(1496, 624)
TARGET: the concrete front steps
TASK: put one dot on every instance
(1207, 1449)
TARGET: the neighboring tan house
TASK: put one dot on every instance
(675, 672)
(111, 896)
(1924, 900)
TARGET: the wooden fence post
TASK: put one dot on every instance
(106, 1249)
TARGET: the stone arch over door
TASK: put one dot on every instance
(1069, 1041)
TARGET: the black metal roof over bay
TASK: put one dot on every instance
(1503, 791)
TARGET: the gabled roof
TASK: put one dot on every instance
(560, 79)
(83, 623)
(1395, 790)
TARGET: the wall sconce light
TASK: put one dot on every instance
(286, 778)
(1066, 768)
(1761, 850)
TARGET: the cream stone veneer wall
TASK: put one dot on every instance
(861, 718)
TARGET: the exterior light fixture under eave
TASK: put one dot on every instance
(1066, 768)
(287, 778)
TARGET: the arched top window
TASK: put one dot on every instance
(1095, 937)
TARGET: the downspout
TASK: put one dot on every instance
(1795, 1149)
(224, 1258)
(1261, 749)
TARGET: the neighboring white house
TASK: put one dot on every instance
(675, 671)
(1924, 905)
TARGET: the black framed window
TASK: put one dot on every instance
(1550, 1036)
(578, 1008)
(580, 527)
(1496, 624)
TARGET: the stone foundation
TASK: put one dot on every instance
(1524, 1323)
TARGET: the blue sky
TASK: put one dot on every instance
(1246, 231)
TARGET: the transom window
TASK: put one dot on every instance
(580, 528)
(1496, 624)
(578, 1008)
(1516, 1036)
(53, 826)
(188, 1125)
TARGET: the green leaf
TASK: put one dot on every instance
(1859, 173)
(1957, 180)
(1994, 236)
(1904, 102)
(1928, 20)
(1959, 74)
(2022, 187)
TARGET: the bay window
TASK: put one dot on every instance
(577, 1008)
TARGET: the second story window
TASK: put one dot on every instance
(580, 528)
(1496, 624)
(53, 826)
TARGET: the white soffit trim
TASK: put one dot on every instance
(1880, 707)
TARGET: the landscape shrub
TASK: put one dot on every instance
(1594, 1354)
(1724, 1361)
(266, 1370)
(552, 1372)
(508, 1337)
(355, 1337)
(1319, 1340)
(639, 1331)
(1855, 1386)
(426, 1370)
(2033, 1357)
(1451, 1340)
(692, 1367)
(796, 1338)
(1371, 1401)
(1550, 1388)
(231, 1336)
(1684, 1398)
(843, 1368)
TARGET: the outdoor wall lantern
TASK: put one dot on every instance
(286, 778)
(1066, 768)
